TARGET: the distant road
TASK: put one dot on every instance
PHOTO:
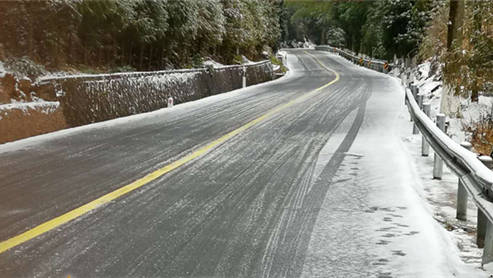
(237, 182)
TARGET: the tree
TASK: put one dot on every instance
(378, 28)
(468, 62)
(142, 34)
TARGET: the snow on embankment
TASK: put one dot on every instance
(26, 109)
(428, 78)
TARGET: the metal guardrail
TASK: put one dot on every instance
(474, 173)
(375, 64)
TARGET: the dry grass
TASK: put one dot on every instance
(482, 135)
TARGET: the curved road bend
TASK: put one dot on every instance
(256, 205)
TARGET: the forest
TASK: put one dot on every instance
(119, 35)
(404, 29)
(379, 29)
(126, 35)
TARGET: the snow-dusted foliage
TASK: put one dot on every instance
(336, 37)
(379, 29)
(469, 65)
(142, 34)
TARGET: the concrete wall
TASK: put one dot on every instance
(92, 98)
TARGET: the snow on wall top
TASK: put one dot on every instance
(46, 79)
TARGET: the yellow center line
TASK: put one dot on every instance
(75, 213)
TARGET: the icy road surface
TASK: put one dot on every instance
(322, 188)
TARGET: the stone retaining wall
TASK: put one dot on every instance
(92, 98)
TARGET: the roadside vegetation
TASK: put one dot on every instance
(466, 67)
(277, 62)
(102, 36)
(379, 29)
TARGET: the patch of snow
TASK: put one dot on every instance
(45, 106)
(2, 70)
(213, 63)
(431, 88)
(308, 44)
(424, 69)
(282, 53)
(53, 75)
(245, 61)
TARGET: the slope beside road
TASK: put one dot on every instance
(319, 187)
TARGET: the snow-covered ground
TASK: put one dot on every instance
(431, 86)
(383, 204)
(26, 100)
(210, 62)
(440, 199)
(441, 195)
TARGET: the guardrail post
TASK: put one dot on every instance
(462, 192)
(415, 91)
(419, 99)
(488, 244)
(438, 163)
(483, 223)
(405, 98)
(410, 85)
(487, 226)
(481, 229)
(425, 148)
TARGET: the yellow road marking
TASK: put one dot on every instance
(75, 213)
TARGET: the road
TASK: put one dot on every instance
(265, 201)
